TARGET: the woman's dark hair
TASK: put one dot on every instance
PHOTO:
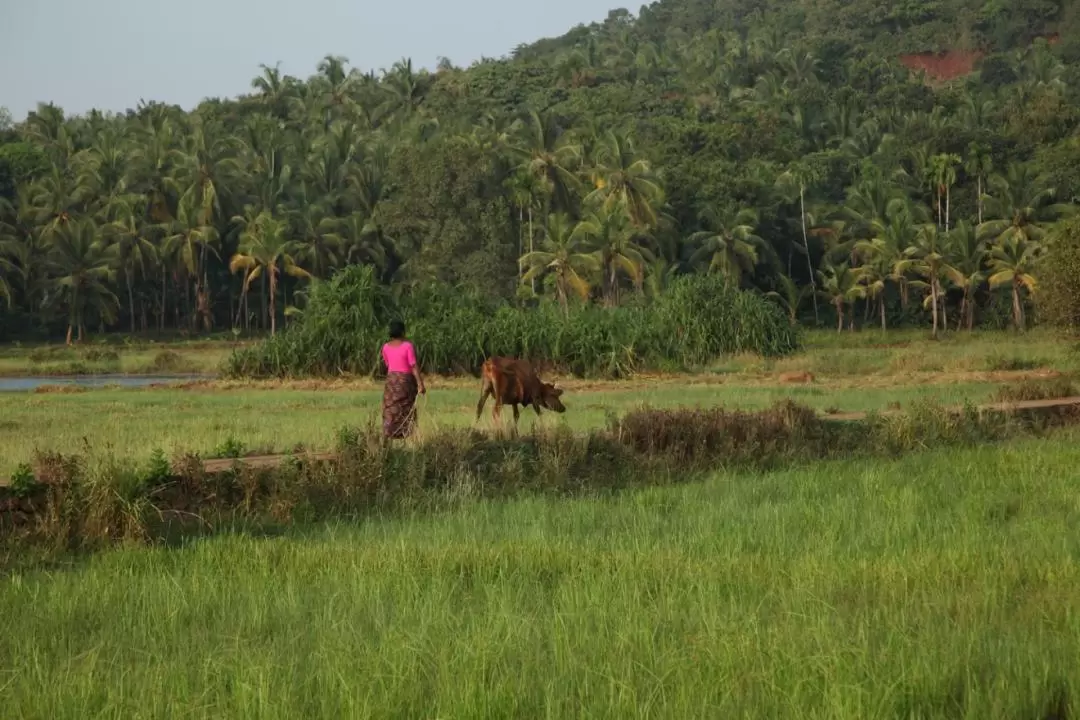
(397, 330)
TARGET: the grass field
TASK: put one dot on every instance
(852, 373)
(115, 357)
(943, 585)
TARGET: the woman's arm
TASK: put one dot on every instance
(416, 370)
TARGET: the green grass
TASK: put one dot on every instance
(941, 585)
(131, 423)
(127, 358)
(900, 352)
(852, 373)
(826, 353)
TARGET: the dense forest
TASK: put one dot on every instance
(861, 163)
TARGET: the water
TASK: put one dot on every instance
(16, 384)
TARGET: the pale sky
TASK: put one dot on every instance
(109, 54)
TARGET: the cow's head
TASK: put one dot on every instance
(550, 397)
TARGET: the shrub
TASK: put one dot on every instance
(106, 356)
(23, 482)
(1058, 298)
(1036, 390)
(1006, 363)
(343, 326)
(167, 361)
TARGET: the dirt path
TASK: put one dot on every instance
(267, 461)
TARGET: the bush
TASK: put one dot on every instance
(167, 361)
(700, 319)
(1058, 298)
(1036, 390)
(106, 356)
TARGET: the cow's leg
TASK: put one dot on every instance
(517, 415)
(484, 392)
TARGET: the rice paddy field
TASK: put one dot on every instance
(941, 584)
(851, 372)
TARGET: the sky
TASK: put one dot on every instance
(109, 54)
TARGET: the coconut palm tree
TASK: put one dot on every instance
(979, 164)
(265, 250)
(927, 259)
(1017, 207)
(840, 285)
(891, 237)
(1012, 262)
(620, 177)
(966, 271)
(82, 271)
(129, 246)
(790, 296)
(563, 253)
(800, 177)
(610, 231)
(943, 166)
(191, 242)
(730, 245)
(551, 157)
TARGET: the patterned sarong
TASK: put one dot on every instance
(399, 405)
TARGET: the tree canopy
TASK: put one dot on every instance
(785, 146)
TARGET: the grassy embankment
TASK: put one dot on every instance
(944, 584)
(119, 355)
(852, 373)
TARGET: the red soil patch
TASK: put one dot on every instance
(943, 66)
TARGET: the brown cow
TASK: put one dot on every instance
(514, 382)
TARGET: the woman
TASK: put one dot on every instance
(403, 381)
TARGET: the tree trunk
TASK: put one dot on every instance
(273, 308)
(67, 340)
(1018, 311)
(533, 280)
(978, 181)
(806, 246)
(839, 314)
(944, 310)
(188, 301)
(881, 306)
(933, 305)
(948, 194)
(164, 309)
(131, 301)
(241, 306)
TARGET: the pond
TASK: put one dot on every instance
(16, 384)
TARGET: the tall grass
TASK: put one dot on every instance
(943, 585)
(66, 503)
(344, 323)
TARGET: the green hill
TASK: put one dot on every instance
(793, 146)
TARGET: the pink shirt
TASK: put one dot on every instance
(400, 358)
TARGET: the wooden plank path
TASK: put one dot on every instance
(218, 465)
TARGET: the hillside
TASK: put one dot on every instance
(792, 146)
